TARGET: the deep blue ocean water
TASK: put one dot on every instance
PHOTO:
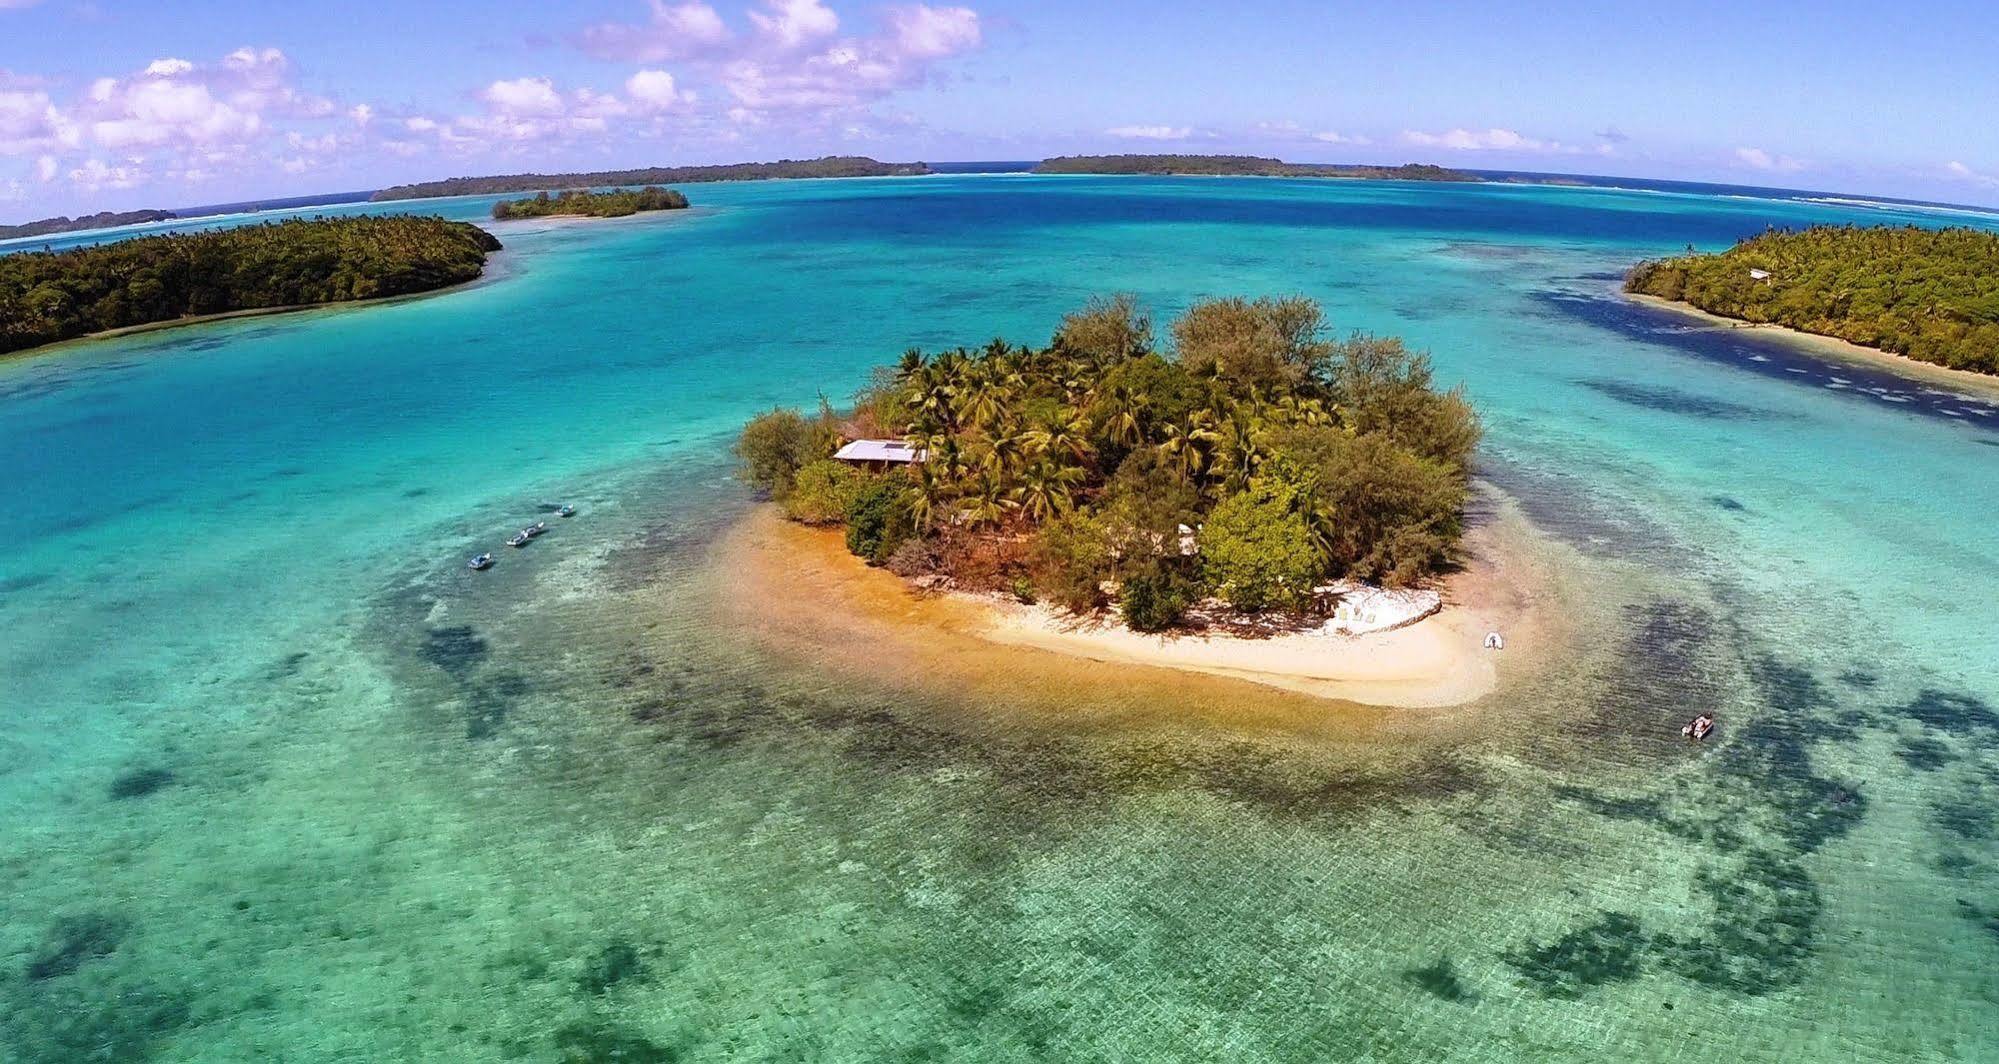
(281, 779)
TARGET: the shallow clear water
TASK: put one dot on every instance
(280, 779)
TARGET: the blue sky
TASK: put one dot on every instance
(109, 105)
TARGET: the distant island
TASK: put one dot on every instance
(830, 166)
(580, 204)
(100, 220)
(1928, 294)
(1242, 166)
(47, 296)
(1254, 469)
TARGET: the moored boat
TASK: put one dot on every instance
(480, 561)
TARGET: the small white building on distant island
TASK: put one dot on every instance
(1758, 275)
(880, 455)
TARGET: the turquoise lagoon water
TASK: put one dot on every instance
(281, 780)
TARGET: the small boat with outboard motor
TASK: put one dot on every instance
(480, 561)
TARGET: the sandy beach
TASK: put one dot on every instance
(797, 587)
(1838, 350)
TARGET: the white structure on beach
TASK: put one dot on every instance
(879, 454)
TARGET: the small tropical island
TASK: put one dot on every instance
(1243, 166)
(1251, 478)
(1927, 294)
(828, 166)
(65, 224)
(47, 297)
(582, 203)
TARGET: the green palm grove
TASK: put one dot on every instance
(47, 296)
(1930, 294)
(1250, 459)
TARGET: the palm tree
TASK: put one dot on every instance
(1189, 445)
(1064, 434)
(925, 501)
(1005, 452)
(989, 502)
(933, 396)
(1238, 453)
(984, 399)
(1299, 411)
(1122, 411)
(909, 364)
(1047, 489)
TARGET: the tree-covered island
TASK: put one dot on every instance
(1929, 294)
(1250, 459)
(65, 224)
(829, 166)
(50, 296)
(1242, 166)
(582, 203)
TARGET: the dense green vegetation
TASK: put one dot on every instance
(1252, 459)
(1241, 165)
(1930, 294)
(830, 166)
(100, 220)
(51, 296)
(616, 204)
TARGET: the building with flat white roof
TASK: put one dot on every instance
(879, 453)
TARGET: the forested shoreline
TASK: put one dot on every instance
(65, 224)
(1929, 294)
(1242, 166)
(828, 166)
(1250, 461)
(584, 204)
(46, 297)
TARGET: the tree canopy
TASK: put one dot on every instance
(50, 296)
(1930, 294)
(65, 224)
(1252, 459)
(581, 203)
(1242, 165)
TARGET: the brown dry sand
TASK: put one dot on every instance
(797, 592)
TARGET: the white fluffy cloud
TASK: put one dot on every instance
(654, 90)
(1150, 132)
(1961, 172)
(675, 31)
(30, 121)
(1758, 159)
(794, 59)
(933, 32)
(170, 103)
(95, 175)
(523, 98)
(794, 23)
(1499, 140)
(172, 116)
